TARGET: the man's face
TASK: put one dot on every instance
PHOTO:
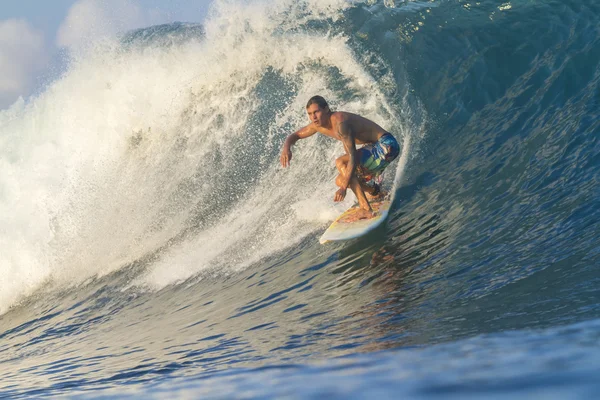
(317, 115)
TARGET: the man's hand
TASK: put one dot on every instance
(286, 157)
(340, 195)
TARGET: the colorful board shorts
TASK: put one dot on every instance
(373, 158)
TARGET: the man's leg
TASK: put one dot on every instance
(341, 163)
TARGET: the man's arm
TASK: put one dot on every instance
(286, 151)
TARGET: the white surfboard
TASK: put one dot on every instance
(345, 227)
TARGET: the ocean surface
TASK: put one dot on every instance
(151, 246)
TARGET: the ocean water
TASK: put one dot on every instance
(151, 245)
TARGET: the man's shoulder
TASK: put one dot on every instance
(340, 116)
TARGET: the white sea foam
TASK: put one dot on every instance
(126, 155)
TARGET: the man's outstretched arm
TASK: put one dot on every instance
(286, 151)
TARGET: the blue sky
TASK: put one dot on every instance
(32, 32)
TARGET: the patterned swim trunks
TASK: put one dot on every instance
(373, 158)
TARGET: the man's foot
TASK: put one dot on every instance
(376, 194)
(364, 214)
(358, 214)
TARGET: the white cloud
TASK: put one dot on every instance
(89, 20)
(23, 55)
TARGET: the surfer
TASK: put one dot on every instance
(360, 169)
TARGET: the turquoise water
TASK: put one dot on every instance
(153, 247)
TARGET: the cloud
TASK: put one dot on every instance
(23, 56)
(89, 20)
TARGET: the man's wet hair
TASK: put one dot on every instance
(318, 100)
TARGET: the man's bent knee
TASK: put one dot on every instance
(342, 168)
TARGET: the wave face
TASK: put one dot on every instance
(152, 245)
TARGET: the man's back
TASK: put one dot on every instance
(363, 129)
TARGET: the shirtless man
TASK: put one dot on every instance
(360, 169)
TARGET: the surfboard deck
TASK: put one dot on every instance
(345, 227)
